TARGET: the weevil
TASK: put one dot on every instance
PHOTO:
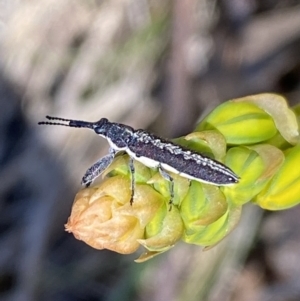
(152, 151)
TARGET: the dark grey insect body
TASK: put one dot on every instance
(152, 151)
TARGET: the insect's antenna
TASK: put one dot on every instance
(57, 118)
(68, 122)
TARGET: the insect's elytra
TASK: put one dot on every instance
(152, 151)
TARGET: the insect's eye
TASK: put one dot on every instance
(100, 126)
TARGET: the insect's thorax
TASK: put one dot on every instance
(118, 135)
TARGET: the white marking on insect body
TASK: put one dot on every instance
(153, 152)
(144, 160)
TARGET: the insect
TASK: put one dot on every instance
(152, 151)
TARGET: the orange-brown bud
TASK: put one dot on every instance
(103, 218)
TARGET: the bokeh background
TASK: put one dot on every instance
(152, 64)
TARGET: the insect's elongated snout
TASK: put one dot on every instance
(68, 122)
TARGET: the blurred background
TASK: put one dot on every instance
(158, 65)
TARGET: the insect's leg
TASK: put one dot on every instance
(167, 177)
(132, 179)
(97, 168)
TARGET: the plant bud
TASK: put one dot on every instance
(240, 123)
(283, 191)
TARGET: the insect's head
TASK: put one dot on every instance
(118, 135)
(99, 126)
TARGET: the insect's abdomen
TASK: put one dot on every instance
(182, 161)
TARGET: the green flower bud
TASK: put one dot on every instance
(283, 190)
(255, 165)
(203, 205)
(213, 233)
(164, 230)
(240, 123)
(277, 107)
